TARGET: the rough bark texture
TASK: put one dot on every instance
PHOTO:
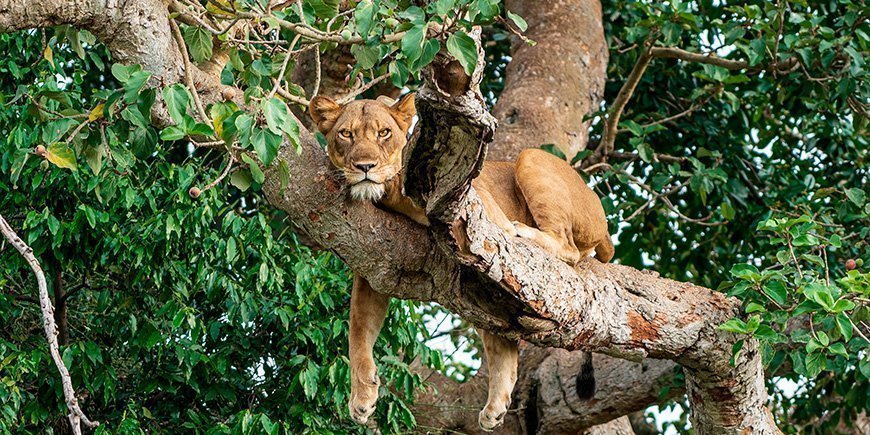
(464, 262)
(551, 86)
(545, 398)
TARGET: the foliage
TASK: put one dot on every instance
(769, 174)
(207, 314)
(199, 314)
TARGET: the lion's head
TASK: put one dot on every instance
(365, 139)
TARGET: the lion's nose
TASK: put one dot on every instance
(365, 167)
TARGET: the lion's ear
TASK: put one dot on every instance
(324, 111)
(404, 110)
(387, 101)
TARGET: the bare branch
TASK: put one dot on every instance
(712, 59)
(351, 96)
(188, 71)
(625, 93)
(76, 415)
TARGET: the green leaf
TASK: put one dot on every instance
(518, 20)
(283, 174)
(754, 307)
(844, 325)
(777, 291)
(244, 125)
(266, 145)
(463, 48)
(430, 49)
(645, 151)
(823, 338)
(843, 305)
(727, 211)
(488, 10)
(856, 196)
(256, 172)
(820, 294)
(173, 132)
(309, 378)
(61, 156)
(364, 17)
(398, 73)
(122, 72)
(134, 84)
(805, 240)
(177, 100)
(745, 271)
(412, 42)
(242, 180)
(815, 363)
(366, 56)
(442, 7)
(324, 8)
(275, 112)
(839, 349)
(734, 325)
(199, 43)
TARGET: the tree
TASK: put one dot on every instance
(175, 187)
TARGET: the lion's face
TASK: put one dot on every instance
(365, 139)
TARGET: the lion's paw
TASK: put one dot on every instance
(491, 418)
(363, 396)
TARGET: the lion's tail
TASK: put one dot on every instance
(586, 378)
(604, 251)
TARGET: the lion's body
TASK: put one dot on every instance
(539, 197)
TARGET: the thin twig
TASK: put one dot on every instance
(350, 97)
(76, 415)
(695, 106)
(223, 174)
(317, 74)
(76, 131)
(288, 96)
(188, 70)
(283, 70)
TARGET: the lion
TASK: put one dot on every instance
(538, 197)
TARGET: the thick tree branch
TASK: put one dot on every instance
(77, 417)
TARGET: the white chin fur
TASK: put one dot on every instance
(367, 191)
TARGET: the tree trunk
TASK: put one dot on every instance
(554, 84)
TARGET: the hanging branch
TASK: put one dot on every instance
(76, 415)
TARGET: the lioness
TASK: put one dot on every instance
(539, 197)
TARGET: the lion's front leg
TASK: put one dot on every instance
(367, 311)
(501, 357)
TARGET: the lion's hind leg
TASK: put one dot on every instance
(545, 182)
(502, 358)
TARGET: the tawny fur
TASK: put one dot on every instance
(539, 197)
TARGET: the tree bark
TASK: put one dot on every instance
(464, 262)
(551, 86)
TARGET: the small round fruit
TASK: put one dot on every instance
(392, 23)
(851, 264)
(40, 151)
(194, 192)
(345, 34)
(228, 93)
(860, 262)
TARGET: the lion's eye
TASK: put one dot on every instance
(384, 133)
(345, 134)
